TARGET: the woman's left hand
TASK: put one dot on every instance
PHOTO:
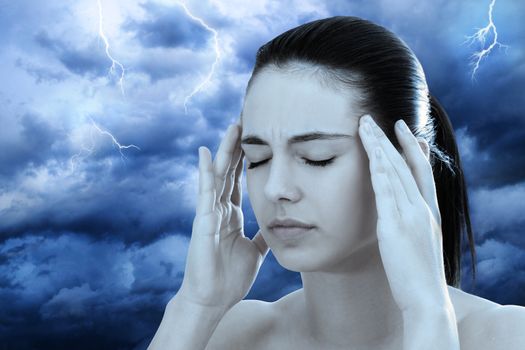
(409, 223)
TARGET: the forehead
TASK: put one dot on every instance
(280, 104)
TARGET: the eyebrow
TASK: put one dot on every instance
(316, 135)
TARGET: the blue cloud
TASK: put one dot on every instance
(168, 27)
(85, 286)
(86, 61)
(93, 245)
(41, 73)
(28, 139)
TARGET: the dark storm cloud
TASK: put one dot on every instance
(168, 27)
(136, 198)
(41, 73)
(498, 132)
(115, 204)
(497, 216)
(86, 61)
(166, 30)
(58, 288)
(487, 106)
(225, 106)
(25, 139)
(90, 254)
(500, 272)
(162, 66)
(247, 43)
(504, 142)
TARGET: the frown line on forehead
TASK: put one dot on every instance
(251, 139)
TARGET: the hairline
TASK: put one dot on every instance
(327, 76)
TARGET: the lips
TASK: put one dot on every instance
(291, 233)
(289, 223)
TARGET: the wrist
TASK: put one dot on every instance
(436, 303)
(181, 304)
(435, 326)
(430, 313)
(186, 325)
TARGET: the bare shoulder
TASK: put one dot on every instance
(485, 325)
(243, 326)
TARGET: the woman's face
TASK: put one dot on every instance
(337, 198)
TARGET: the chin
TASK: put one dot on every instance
(302, 260)
(331, 259)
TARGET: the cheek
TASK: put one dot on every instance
(250, 189)
(254, 186)
(347, 203)
(255, 195)
(346, 197)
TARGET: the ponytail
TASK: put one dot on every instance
(452, 197)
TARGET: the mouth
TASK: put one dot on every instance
(290, 232)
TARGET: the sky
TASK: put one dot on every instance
(98, 166)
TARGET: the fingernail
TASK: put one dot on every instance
(402, 126)
(368, 118)
(368, 128)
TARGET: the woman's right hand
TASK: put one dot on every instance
(222, 263)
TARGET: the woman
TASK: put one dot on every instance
(348, 157)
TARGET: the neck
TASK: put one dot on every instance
(352, 304)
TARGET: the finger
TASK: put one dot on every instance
(237, 190)
(400, 165)
(419, 164)
(239, 122)
(222, 161)
(230, 177)
(399, 196)
(382, 190)
(383, 164)
(206, 198)
(387, 211)
(261, 244)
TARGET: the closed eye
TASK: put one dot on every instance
(307, 161)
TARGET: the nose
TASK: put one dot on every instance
(281, 183)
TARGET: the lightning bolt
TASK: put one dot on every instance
(480, 36)
(114, 62)
(87, 150)
(114, 140)
(80, 154)
(217, 54)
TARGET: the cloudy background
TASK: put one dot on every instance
(93, 239)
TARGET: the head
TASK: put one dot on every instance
(321, 77)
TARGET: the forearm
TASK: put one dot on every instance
(186, 326)
(431, 329)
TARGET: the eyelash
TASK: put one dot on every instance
(307, 161)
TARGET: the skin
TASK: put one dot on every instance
(340, 261)
(372, 268)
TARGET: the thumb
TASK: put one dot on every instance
(261, 244)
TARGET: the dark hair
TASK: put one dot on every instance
(352, 52)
